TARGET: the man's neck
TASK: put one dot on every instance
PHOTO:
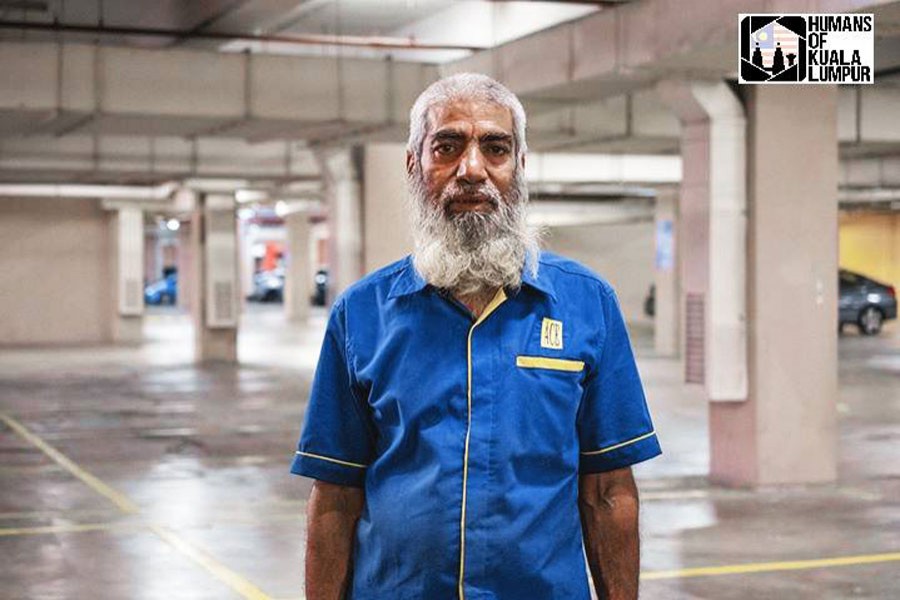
(478, 301)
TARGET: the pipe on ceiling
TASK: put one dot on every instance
(378, 42)
(119, 192)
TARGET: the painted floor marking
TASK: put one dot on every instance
(71, 528)
(230, 578)
(70, 514)
(768, 567)
(675, 495)
(121, 501)
(239, 584)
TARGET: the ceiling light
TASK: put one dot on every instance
(245, 195)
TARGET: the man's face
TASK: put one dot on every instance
(468, 156)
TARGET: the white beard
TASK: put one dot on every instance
(471, 253)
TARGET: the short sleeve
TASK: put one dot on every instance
(336, 442)
(614, 425)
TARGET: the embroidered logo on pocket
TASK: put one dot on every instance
(551, 334)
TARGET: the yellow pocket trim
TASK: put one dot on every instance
(554, 364)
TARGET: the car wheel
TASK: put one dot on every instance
(870, 321)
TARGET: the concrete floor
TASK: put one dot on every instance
(172, 480)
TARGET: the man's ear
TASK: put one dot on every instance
(522, 162)
(410, 162)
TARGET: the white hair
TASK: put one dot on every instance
(464, 86)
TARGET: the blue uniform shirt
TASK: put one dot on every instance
(469, 435)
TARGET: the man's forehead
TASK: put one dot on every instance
(462, 114)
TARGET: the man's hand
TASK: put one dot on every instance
(608, 503)
(331, 518)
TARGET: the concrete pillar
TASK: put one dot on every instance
(713, 234)
(786, 431)
(152, 256)
(215, 289)
(246, 261)
(298, 276)
(128, 235)
(341, 174)
(386, 228)
(186, 264)
(667, 276)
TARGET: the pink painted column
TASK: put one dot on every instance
(786, 432)
(758, 228)
(186, 264)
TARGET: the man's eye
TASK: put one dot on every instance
(445, 148)
(498, 150)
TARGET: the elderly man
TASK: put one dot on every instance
(476, 407)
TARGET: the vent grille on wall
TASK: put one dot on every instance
(223, 302)
(695, 339)
(132, 300)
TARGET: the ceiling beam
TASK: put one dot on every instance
(376, 42)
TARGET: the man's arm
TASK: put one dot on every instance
(608, 503)
(331, 518)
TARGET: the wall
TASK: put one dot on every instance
(55, 272)
(870, 245)
(621, 253)
(386, 230)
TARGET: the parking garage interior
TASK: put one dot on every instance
(186, 187)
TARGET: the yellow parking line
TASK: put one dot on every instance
(675, 495)
(72, 528)
(222, 573)
(767, 567)
(71, 514)
(123, 503)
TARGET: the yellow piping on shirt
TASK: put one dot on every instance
(334, 460)
(499, 298)
(553, 364)
(620, 445)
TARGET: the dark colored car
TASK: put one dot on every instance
(650, 302)
(865, 302)
(321, 288)
(268, 286)
(163, 291)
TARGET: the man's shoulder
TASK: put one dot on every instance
(566, 271)
(377, 283)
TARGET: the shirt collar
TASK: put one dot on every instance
(541, 281)
(409, 281)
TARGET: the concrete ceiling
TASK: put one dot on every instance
(142, 109)
(455, 27)
(262, 17)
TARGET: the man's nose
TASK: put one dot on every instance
(471, 167)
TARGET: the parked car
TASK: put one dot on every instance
(865, 302)
(650, 302)
(162, 291)
(321, 287)
(268, 286)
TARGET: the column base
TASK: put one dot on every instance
(128, 330)
(216, 345)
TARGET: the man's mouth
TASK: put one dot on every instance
(469, 201)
